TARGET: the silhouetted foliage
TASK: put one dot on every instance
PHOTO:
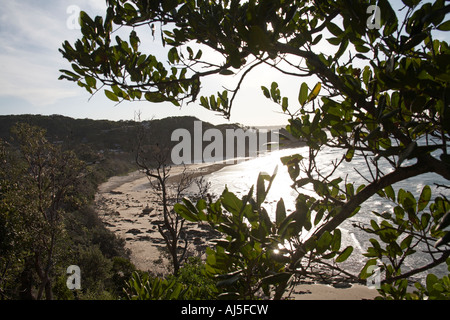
(381, 93)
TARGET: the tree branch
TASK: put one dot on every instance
(433, 264)
(349, 207)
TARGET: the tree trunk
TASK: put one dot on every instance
(26, 281)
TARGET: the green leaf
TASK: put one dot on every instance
(320, 188)
(444, 26)
(198, 55)
(185, 213)
(303, 94)
(280, 212)
(201, 205)
(364, 274)
(261, 188)
(78, 70)
(334, 41)
(342, 48)
(362, 57)
(275, 92)
(231, 203)
(191, 52)
(111, 95)
(226, 72)
(324, 242)
(70, 75)
(424, 198)
(362, 49)
(390, 192)
(154, 97)
(344, 254)
(284, 104)
(349, 155)
(187, 202)
(424, 220)
(117, 91)
(388, 17)
(414, 41)
(350, 190)
(366, 75)
(129, 9)
(319, 216)
(173, 56)
(292, 162)
(336, 242)
(176, 292)
(317, 39)
(204, 102)
(376, 246)
(84, 17)
(141, 59)
(430, 281)
(334, 29)
(360, 188)
(266, 92)
(303, 181)
(409, 202)
(91, 82)
(283, 229)
(374, 225)
(406, 242)
(235, 59)
(134, 40)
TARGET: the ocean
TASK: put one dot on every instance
(240, 177)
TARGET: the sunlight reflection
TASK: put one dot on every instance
(241, 177)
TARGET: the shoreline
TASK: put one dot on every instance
(120, 203)
(198, 169)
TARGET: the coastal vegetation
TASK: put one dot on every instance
(50, 169)
(48, 223)
(380, 92)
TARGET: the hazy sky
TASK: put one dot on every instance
(32, 31)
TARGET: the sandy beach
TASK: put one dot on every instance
(130, 208)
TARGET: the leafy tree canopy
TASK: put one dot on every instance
(381, 92)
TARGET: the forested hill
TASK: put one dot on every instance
(98, 135)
